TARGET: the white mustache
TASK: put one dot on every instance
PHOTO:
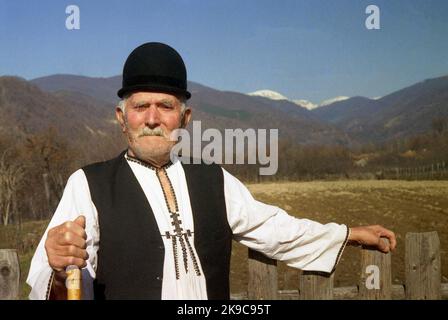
(151, 132)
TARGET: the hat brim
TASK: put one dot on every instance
(153, 88)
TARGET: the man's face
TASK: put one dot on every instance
(148, 121)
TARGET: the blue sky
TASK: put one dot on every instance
(311, 49)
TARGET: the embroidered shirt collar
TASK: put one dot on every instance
(146, 164)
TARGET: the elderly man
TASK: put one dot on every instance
(144, 227)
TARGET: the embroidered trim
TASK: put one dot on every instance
(184, 252)
(50, 284)
(146, 164)
(178, 231)
(347, 235)
(176, 207)
(195, 263)
(176, 262)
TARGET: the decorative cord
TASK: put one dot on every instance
(193, 257)
(49, 285)
(146, 164)
(184, 252)
(176, 263)
(175, 221)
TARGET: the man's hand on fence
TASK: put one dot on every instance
(66, 245)
(372, 236)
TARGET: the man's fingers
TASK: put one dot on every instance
(71, 226)
(383, 232)
(56, 262)
(71, 251)
(383, 245)
(71, 238)
(80, 221)
(66, 244)
(375, 236)
(392, 238)
(78, 226)
(73, 261)
(60, 263)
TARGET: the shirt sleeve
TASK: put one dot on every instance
(300, 243)
(75, 201)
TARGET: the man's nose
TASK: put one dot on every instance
(152, 119)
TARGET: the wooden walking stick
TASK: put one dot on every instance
(73, 283)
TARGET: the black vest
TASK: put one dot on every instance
(131, 251)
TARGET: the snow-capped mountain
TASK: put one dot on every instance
(306, 104)
(333, 100)
(270, 94)
(273, 95)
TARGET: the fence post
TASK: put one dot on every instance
(423, 266)
(315, 285)
(9, 274)
(376, 275)
(262, 284)
(445, 170)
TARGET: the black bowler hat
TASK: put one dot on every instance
(154, 66)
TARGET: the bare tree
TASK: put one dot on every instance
(439, 124)
(11, 175)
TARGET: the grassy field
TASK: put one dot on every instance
(403, 206)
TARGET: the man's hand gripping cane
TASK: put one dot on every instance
(66, 251)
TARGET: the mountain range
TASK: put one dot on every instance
(401, 114)
(80, 105)
(214, 108)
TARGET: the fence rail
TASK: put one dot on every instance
(342, 293)
(435, 171)
(422, 271)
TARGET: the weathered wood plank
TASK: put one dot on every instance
(315, 285)
(423, 266)
(9, 274)
(376, 275)
(263, 282)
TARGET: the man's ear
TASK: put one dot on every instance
(186, 118)
(120, 118)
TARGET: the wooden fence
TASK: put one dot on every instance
(422, 271)
(9, 274)
(422, 268)
(435, 171)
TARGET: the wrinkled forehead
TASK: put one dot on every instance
(153, 97)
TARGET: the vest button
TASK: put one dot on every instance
(161, 247)
(159, 278)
